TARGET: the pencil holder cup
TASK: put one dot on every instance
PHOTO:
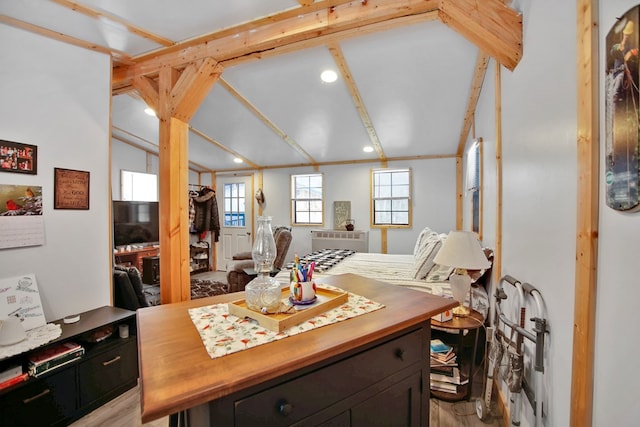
(303, 291)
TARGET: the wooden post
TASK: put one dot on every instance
(175, 97)
(584, 315)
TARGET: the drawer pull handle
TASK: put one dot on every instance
(400, 353)
(37, 396)
(109, 362)
(285, 408)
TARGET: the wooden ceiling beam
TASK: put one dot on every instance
(282, 134)
(307, 23)
(493, 26)
(148, 90)
(223, 147)
(489, 24)
(476, 86)
(154, 151)
(106, 18)
(117, 55)
(341, 62)
(192, 88)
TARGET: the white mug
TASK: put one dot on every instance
(123, 330)
(303, 291)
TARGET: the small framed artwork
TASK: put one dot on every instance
(18, 158)
(341, 213)
(71, 189)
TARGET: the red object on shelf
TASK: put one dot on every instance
(15, 380)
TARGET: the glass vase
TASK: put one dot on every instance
(263, 293)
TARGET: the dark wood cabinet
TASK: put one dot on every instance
(107, 369)
(134, 257)
(51, 400)
(379, 386)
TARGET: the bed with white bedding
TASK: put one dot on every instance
(416, 271)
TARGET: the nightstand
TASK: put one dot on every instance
(459, 325)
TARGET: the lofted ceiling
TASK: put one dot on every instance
(409, 72)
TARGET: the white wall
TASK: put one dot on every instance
(433, 196)
(616, 379)
(433, 201)
(539, 213)
(57, 97)
(539, 183)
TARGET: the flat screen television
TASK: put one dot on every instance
(135, 223)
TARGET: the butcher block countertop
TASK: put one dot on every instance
(177, 373)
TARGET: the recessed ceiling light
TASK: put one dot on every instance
(237, 160)
(367, 149)
(150, 112)
(329, 76)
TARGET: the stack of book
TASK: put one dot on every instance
(54, 357)
(445, 374)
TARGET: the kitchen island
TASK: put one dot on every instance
(368, 370)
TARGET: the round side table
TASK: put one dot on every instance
(471, 323)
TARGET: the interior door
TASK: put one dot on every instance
(236, 216)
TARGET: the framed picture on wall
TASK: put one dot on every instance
(18, 158)
(70, 189)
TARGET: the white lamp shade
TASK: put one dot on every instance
(461, 249)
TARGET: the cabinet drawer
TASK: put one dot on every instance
(296, 399)
(45, 401)
(105, 372)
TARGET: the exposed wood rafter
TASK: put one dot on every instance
(117, 55)
(193, 87)
(244, 101)
(494, 27)
(476, 86)
(131, 139)
(111, 19)
(222, 147)
(341, 62)
(489, 24)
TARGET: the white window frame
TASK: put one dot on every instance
(313, 198)
(393, 199)
(235, 204)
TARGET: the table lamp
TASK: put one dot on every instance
(462, 251)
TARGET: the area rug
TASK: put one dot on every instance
(207, 288)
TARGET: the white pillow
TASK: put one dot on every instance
(439, 272)
(419, 241)
(423, 262)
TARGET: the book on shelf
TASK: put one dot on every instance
(451, 362)
(15, 380)
(443, 357)
(439, 347)
(454, 378)
(444, 386)
(54, 357)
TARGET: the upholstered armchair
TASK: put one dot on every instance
(238, 279)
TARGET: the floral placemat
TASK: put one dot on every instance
(223, 333)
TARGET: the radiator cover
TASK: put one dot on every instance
(337, 239)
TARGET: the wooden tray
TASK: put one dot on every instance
(327, 299)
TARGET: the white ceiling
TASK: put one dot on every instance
(414, 82)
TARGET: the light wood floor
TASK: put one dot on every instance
(124, 411)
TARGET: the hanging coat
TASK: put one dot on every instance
(206, 213)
